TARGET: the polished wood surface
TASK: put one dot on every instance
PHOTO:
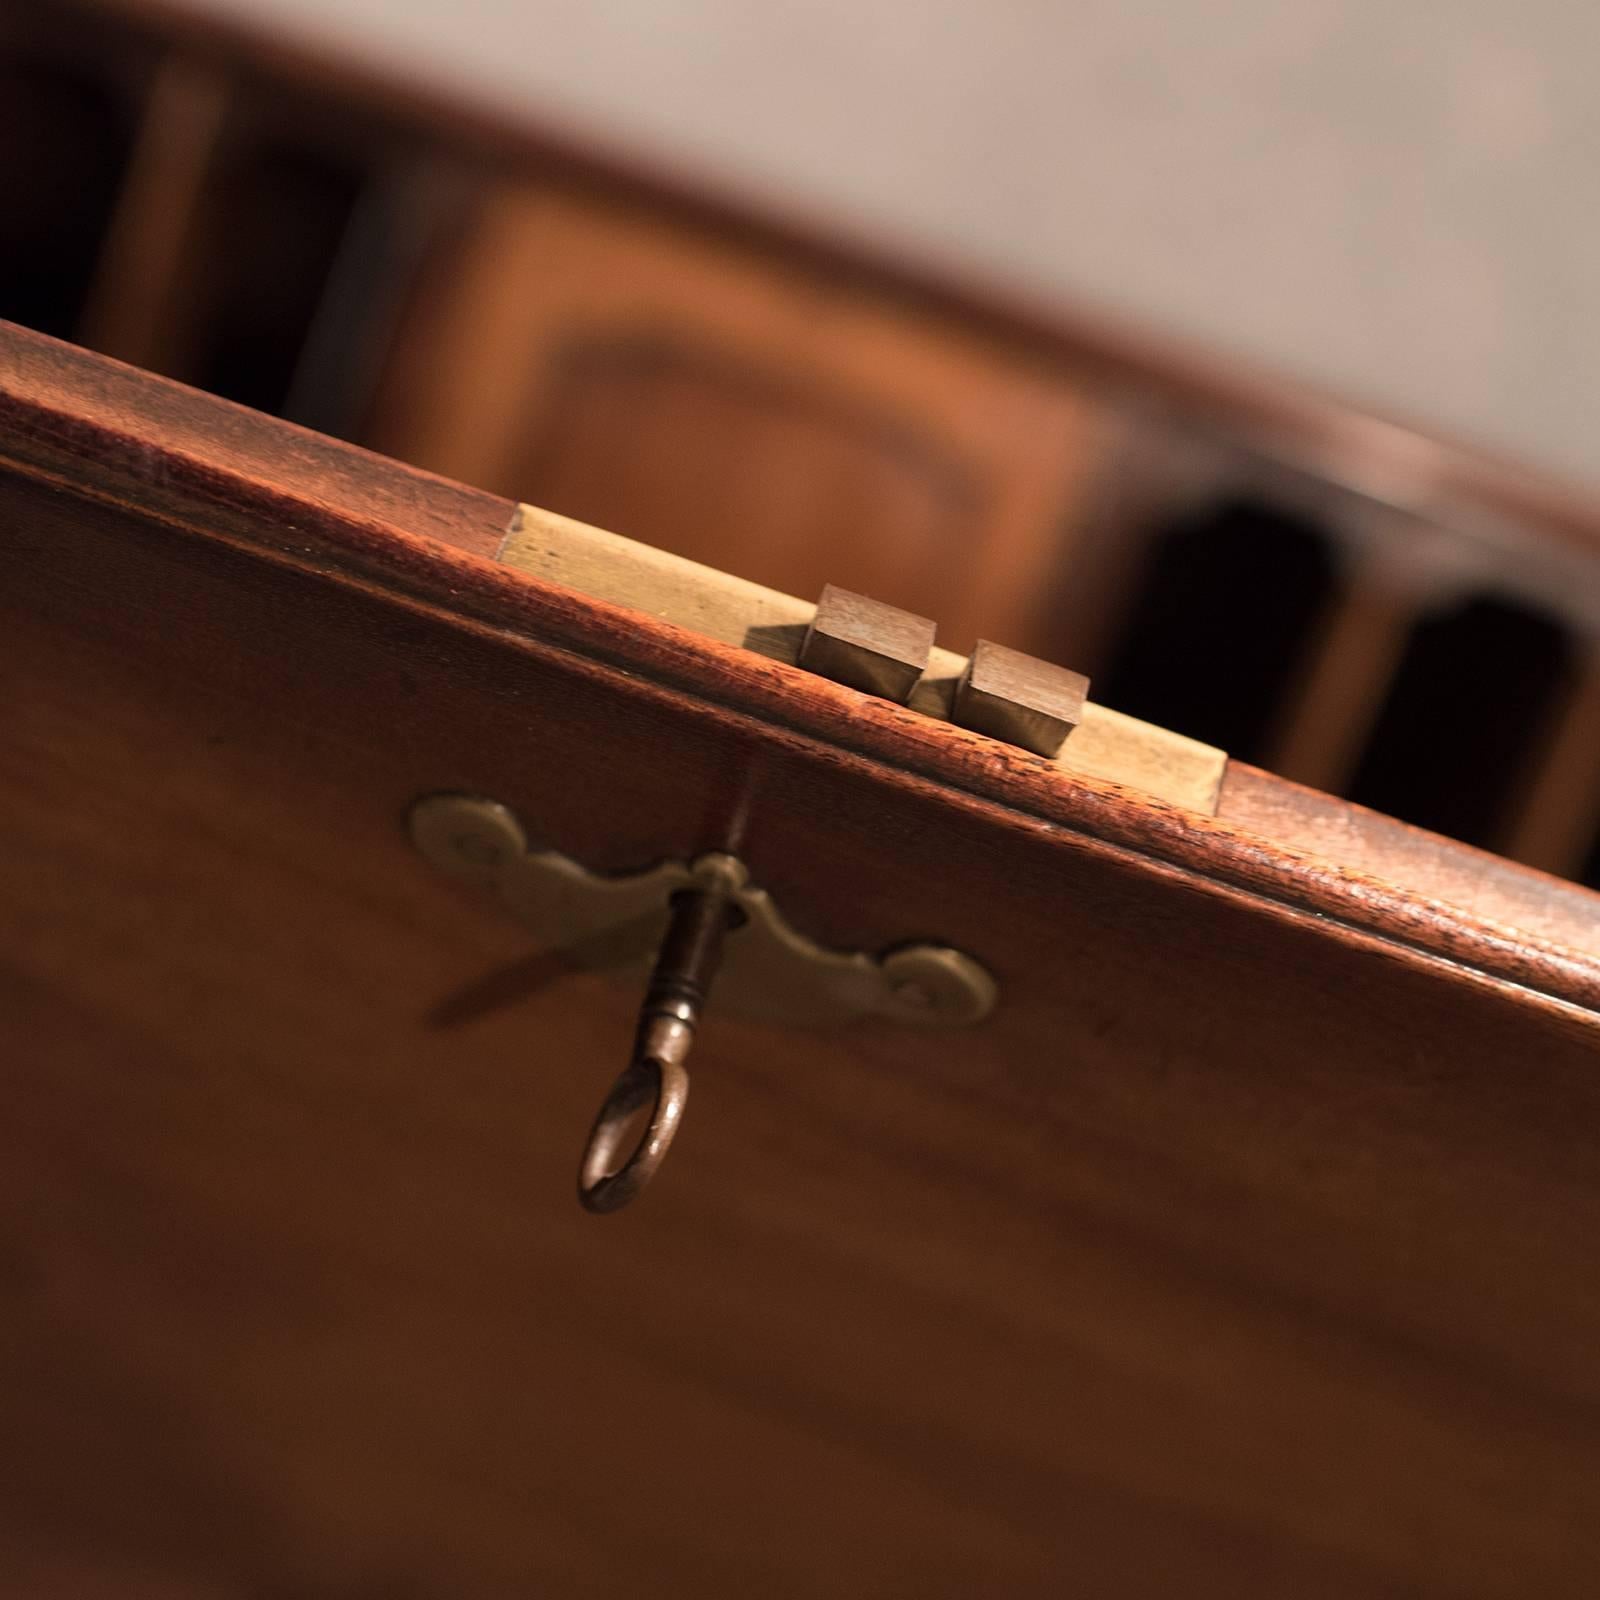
(1486, 888)
(1248, 1250)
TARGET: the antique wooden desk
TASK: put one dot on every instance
(1247, 1248)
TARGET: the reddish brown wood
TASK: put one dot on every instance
(163, 446)
(1249, 1247)
(197, 462)
(1473, 882)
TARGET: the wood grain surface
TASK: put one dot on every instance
(1249, 1249)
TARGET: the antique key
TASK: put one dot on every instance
(699, 917)
(680, 984)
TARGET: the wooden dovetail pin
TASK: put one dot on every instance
(866, 644)
(1018, 698)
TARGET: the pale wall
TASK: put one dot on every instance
(1397, 199)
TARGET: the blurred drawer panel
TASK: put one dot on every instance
(731, 408)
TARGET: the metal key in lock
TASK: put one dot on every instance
(703, 920)
(657, 1074)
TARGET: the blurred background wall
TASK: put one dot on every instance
(1396, 201)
